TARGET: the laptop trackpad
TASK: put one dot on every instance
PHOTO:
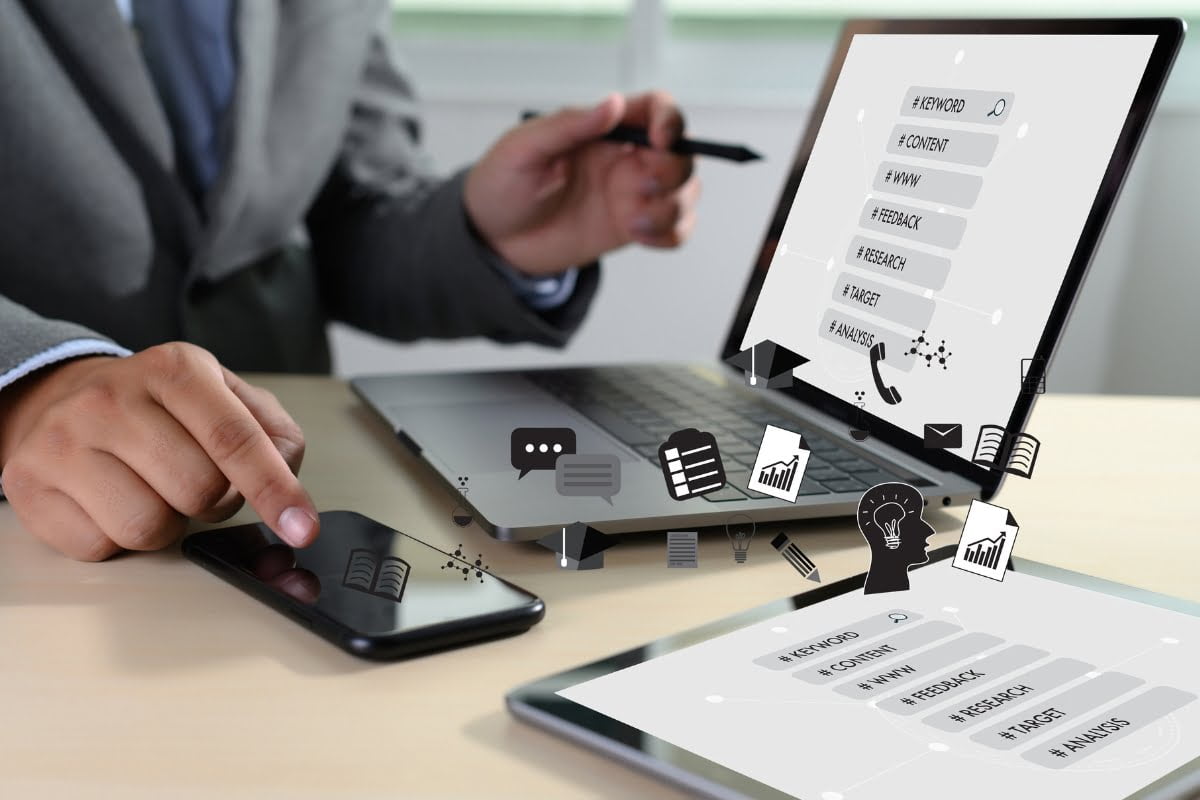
(474, 437)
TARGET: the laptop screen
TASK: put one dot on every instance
(947, 188)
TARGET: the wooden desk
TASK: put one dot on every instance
(146, 677)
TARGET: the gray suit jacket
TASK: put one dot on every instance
(326, 207)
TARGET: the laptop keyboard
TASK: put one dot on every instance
(643, 406)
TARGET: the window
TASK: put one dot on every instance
(708, 51)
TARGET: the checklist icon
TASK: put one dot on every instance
(691, 464)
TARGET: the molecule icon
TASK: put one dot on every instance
(922, 347)
(459, 562)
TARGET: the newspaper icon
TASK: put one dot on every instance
(682, 549)
(691, 464)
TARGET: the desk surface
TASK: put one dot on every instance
(146, 677)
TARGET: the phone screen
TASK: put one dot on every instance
(362, 577)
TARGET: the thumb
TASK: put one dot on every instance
(558, 133)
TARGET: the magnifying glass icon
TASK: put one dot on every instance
(898, 618)
(997, 109)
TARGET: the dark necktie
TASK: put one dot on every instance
(188, 49)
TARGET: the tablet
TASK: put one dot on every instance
(1046, 684)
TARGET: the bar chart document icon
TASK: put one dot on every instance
(691, 464)
(779, 468)
(987, 540)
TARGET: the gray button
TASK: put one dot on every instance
(1062, 709)
(910, 310)
(943, 144)
(965, 105)
(901, 263)
(921, 665)
(926, 183)
(887, 647)
(853, 333)
(1010, 694)
(960, 681)
(1103, 729)
(850, 636)
(909, 222)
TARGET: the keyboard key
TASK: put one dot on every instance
(724, 495)
(872, 478)
(845, 485)
(859, 465)
(811, 486)
(825, 474)
(820, 445)
(617, 425)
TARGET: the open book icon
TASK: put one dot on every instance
(1014, 453)
(382, 576)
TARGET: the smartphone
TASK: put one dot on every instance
(375, 592)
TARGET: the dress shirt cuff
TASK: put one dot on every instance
(540, 294)
(72, 348)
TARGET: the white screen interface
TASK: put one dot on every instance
(959, 687)
(946, 192)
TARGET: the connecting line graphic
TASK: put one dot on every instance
(789, 701)
(863, 149)
(892, 768)
(814, 259)
(1123, 661)
(972, 309)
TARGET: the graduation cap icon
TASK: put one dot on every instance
(578, 546)
(767, 364)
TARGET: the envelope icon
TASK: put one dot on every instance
(944, 436)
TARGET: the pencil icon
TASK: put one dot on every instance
(795, 556)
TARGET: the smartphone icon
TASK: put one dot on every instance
(888, 393)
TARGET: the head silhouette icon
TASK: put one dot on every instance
(889, 518)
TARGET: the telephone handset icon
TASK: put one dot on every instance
(888, 393)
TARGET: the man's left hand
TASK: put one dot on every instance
(552, 194)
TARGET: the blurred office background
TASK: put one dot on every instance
(745, 71)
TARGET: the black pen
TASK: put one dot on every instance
(630, 134)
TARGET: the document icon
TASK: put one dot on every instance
(691, 464)
(682, 549)
(987, 540)
(947, 436)
(779, 468)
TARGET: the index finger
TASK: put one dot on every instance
(192, 389)
(658, 112)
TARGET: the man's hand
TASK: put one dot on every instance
(103, 454)
(551, 195)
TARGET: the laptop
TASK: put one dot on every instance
(941, 211)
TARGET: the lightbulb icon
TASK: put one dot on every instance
(740, 530)
(888, 517)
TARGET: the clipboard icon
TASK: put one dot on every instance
(691, 464)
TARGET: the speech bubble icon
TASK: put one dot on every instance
(539, 448)
(588, 475)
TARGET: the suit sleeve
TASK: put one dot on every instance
(395, 251)
(29, 342)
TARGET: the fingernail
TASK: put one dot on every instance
(643, 224)
(297, 526)
(651, 186)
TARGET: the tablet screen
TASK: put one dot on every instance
(1025, 688)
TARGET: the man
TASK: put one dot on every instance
(231, 174)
